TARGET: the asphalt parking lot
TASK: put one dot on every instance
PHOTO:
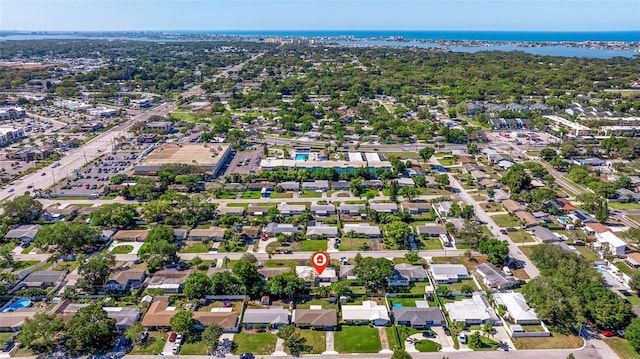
(244, 162)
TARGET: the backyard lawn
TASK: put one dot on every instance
(312, 245)
(428, 244)
(20, 265)
(197, 348)
(428, 346)
(587, 253)
(256, 343)
(357, 339)
(520, 237)
(506, 220)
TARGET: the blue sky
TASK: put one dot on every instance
(512, 15)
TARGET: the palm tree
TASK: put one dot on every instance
(323, 291)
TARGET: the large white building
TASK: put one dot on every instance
(10, 134)
(11, 113)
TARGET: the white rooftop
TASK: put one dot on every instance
(368, 310)
(516, 305)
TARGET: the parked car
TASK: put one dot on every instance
(288, 251)
(503, 231)
(176, 349)
(172, 337)
(179, 339)
(428, 335)
(247, 356)
(608, 333)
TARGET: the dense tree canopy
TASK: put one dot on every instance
(90, 331)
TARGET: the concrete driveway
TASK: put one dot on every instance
(136, 246)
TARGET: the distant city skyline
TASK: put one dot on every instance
(265, 15)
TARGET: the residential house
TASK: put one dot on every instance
(323, 210)
(384, 207)
(341, 185)
(517, 309)
(406, 182)
(371, 184)
(443, 208)
(232, 211)
(226, 318)
(290, 186)
(207, 234)
(272, 318)
(258, 210)
(311, 276)
(122, 280)
(432, 230)
(43, 279)
(180, 234)
(624, 195)
(448, 273)
(416, 208)
(251, 232)
(407, 273)
(543, 234)
(168, 280)
(346, 272)
(268, 272)
(158, 315)
(273, 229)
(418, 318)
(563, 204)
(316, 318)
(25, 233)
(489, 183)
(318, 185)
(321, 230)
(353, 210)
(512, 206)
(582, 217)
(595, 228)
(55, 213)
(473, 311)
(288, 210)
(134, 235)
(611, 244)
(528, 218)
(367, 312)
(124, 316)
(496, 278)
(362, 229)
(12, 321)
(633, 260)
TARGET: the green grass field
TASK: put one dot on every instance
(353, 244)
(122, 249)
(506, 220)
(428, 346)
(256, 343)
(392, 337)
(357, 339)
(620, 205)
(281, 195)
(251, 195)
(312, 245)
(310, 194)
(153, 346)
(317, 339)
(622, 348)
(195, 248)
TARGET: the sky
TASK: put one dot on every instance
(496, 15)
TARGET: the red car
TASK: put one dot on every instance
(608, 333)
(172, 337)
(502, 231)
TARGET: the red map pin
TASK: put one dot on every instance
(319, 260)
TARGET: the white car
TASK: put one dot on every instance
(179, 339)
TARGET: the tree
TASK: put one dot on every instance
(634, 283)
(197, 286)
(114, 215)
(286, 285)
(67, 237)
(155, 211)
(412, 256)
(497, 251)
(183, 322)
(226, 283)
(442, 180)
(393, 190)
(426, 153)
(133, 332)
(211, 335)
(95, 271)
(488, 329)
(22, 209)
(547, 153)
(161, 232)
(516, 178)
(373, 271)
(42, 332)
(400, 354)
(443, 290)
(6, 255)
(247, 273)
(90, 330)
(466, 289)
(632, 334)
(409, 192)
(157, 254)
(355, 186)
(293, 340)
(397, 233)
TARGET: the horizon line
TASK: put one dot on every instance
(293, 30)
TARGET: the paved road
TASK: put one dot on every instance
(514, 251)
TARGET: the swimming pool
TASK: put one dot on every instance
(397, 305)
(19, 304)
(563, 220)
(302, 157)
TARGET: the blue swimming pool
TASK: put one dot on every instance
(19, 304)
(302, 156)
(563, 220)
(397, 305)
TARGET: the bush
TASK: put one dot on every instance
(203, 267)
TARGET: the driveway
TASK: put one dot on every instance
(445, 340)
(262, 247)
(136, 246)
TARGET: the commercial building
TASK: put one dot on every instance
(208, 157)
(10, 134)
